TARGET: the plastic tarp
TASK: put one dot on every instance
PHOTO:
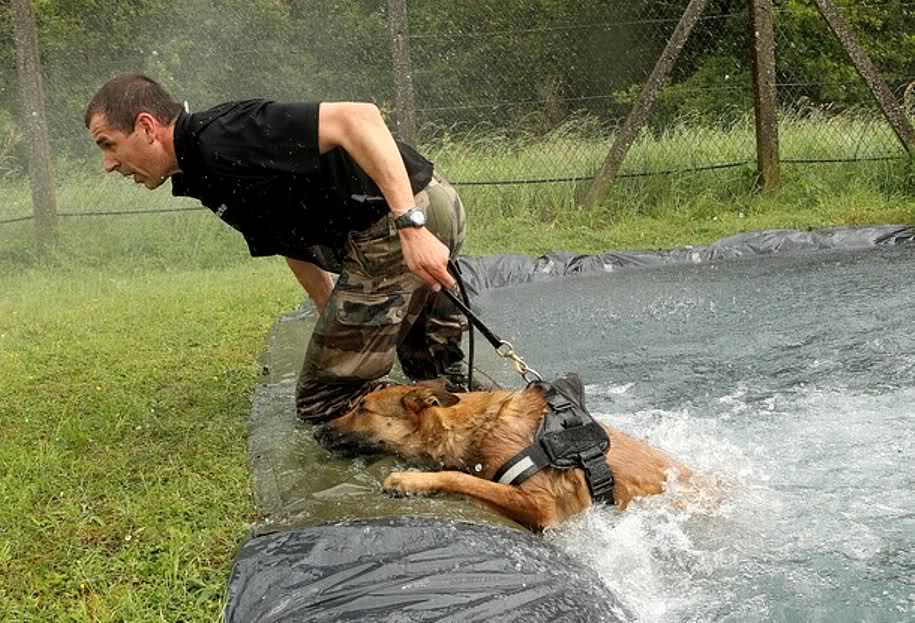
(332, 548)
(402, 570)
(487, 272)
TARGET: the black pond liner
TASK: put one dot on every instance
(331, 547)
(404, 569)
(488, 272)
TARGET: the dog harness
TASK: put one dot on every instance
(568, 438)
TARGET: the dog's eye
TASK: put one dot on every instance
(363, 412)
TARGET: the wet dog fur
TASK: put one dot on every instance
(465, 438)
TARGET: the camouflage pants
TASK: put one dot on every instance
(379, 308)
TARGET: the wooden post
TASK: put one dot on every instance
(640, 111)
(764, 95)
(35, 124)
(862, 62)
(405, 118)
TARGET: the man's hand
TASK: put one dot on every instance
(426, 256)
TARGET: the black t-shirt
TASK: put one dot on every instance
(256, 164)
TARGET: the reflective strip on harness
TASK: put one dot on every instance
(522, 466)
(516, 470)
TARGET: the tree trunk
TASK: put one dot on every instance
(35, 124)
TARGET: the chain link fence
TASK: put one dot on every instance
(505, 92)
(828, 113)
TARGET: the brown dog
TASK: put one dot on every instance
(472, 435)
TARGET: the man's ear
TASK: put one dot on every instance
(147, 124)
(422, 398)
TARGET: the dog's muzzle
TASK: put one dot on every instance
(346, 444)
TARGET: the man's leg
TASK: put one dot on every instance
(432, 347)
(374, 304)
(353, 344)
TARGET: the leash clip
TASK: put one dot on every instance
(508, 352)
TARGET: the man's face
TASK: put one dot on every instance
(138, 155)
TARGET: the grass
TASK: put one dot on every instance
(128, 356)
(124, 406)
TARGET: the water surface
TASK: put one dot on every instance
(791, 381)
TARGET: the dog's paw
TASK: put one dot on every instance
(403, 483)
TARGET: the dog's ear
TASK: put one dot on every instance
(423, 398)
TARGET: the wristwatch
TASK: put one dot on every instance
(414, 217)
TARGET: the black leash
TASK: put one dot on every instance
(568, 437)
(464, 306)
(503, 347)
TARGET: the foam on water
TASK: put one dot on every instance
(813, 517)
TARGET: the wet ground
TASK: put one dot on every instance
(789, 379)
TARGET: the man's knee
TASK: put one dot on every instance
(319, 401)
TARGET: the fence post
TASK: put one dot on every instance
(35, 122)
(866, 69)
(640, 111)
(405, 118)
(762, 33)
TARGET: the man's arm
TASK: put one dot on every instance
(360, 130)
(317, 282)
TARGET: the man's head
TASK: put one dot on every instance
(131, 118)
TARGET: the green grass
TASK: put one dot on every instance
(128, 355)
(124, 408)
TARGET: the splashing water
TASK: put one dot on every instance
(788, 380)
(812, 518)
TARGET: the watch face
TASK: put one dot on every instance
(418, 217)
(412, 218)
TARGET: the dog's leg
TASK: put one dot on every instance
(511, 501)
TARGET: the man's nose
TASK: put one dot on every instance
(109, 163)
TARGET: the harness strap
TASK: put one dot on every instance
(522, 466)
(533, 459)
(598, 475)
(568, 438)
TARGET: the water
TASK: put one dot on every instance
(788, 380)
(814, 519)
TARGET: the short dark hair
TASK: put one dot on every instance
(125, 96)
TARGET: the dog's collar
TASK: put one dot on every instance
(476, 462)
(568, 438)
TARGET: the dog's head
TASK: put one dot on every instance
(400, 420)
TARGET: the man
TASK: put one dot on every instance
(328, 187)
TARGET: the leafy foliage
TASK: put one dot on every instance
(515, 65)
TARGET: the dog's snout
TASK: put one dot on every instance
(323, 434)
(345, 443)
(330, 438)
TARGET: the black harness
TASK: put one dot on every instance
(568, 438)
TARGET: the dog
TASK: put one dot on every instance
(467, 437)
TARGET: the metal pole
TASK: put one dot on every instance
(35, 122)
(764, 95)
(403, 77)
